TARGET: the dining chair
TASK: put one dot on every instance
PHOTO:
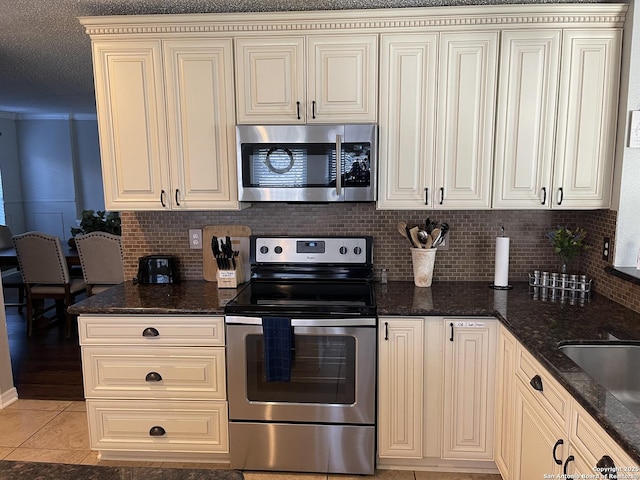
(46, 275)
(101, 259)
(11, 278)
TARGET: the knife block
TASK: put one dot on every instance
(231, 278)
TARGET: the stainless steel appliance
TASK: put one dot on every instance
(307, 401)
(158, 269)
(307, 163)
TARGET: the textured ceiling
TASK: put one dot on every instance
(45, 56)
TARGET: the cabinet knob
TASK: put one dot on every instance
(157, 431)
(606, 467)
(536, 383)
(177, 197)
(153, 377)
(565, 469)
(162, 199)
(150, 332)
(544, 195)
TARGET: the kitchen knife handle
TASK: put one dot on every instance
(451, 337)
(544, 195)
(441, 195)
(298, 109)
(386, 331)
(426, 196)
(162, 199)
(177, 197)
(555, 447)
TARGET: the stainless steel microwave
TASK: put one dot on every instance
(307, 163)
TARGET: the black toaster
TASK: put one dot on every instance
(154, 269)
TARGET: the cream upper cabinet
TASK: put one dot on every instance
(556, 120)
(408, 90)
(525, 132)
(587, 118)
(436, 119)
(131, 112)
(307, 79)
(166, 123)
(469, 388)
(201, 126)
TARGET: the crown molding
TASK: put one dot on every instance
(377, 20)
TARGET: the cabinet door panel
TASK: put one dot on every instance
(270, 80)
(401, 373)
(469, 391)
(587, 118)
(466, 112)
(131, 124)
(525, 133)
(342, 78)
(199, 78)
(407, 120)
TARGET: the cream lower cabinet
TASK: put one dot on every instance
(307, 79)
(542, 432)
(425, 419)
(166, 123)
(155, 387)
(437, 107)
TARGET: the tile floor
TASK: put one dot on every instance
(56, 432)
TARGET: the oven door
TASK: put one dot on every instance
(332, 373)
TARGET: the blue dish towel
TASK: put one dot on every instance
(277, 348)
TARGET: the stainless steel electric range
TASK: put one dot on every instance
(301, 357)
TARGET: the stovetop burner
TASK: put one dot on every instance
(312, 277)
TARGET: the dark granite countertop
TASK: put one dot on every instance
(193, 297)
(539, 325)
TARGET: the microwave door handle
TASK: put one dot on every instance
(338, 165)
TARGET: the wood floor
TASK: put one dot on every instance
(46, 366)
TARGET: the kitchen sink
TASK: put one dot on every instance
(615, 366)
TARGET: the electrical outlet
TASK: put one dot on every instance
(195, 238)
(606, 249)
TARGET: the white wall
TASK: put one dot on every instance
(87, 168)
(628, 170)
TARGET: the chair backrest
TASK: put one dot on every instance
(6, 237)
(41, 258)
(101, 258)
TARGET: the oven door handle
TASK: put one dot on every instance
(307, 322)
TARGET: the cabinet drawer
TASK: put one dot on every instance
(593, 443)
(151, 330)
(158, 426)
(154, 372)
(553, 397)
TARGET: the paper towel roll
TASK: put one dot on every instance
(501, 277)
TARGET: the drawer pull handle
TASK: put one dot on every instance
(536, 383)
(606, 467)
(555, 447)
(157, 431)
(153, 377)
(150, 332)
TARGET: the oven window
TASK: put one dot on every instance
(322, 371)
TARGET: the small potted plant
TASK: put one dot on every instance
(567, 244)
(100, 221)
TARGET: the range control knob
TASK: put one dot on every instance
(264, 249)
(278, 249)
(357, 250)
(343, 250)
